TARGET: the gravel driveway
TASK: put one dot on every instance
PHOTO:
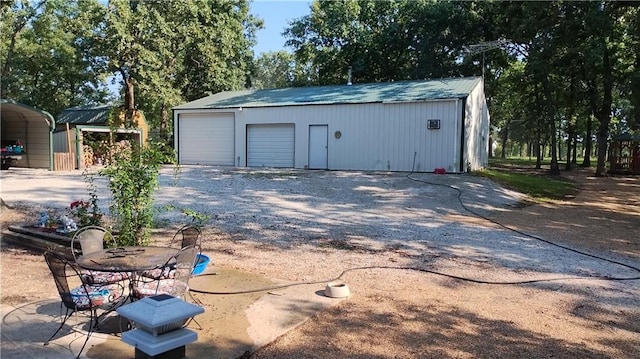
(357, 210)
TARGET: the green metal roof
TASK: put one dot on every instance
(86, 115)
(402, 91)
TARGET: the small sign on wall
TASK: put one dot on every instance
(433, 124)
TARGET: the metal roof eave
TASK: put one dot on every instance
(33, 112)
(227, 107)
(98, 128)
(391, 92)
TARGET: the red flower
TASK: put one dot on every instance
(79, 203)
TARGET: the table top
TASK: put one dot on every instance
(126, 259)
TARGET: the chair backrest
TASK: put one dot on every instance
(91, 239)
(190, 236)
(185, 261)
(62, 269)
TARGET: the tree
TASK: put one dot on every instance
(280, 69)
(386, 40)
(172, 51)
(16, 15)
(47, 63)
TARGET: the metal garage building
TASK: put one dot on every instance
(396, 126)
(33, 128)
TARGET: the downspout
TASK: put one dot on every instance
(175, 136)
(52, 127)
(50, 148)
(462, 131)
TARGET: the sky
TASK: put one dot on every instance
(276, 16)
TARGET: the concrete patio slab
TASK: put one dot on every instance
(231, 325)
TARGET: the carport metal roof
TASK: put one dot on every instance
(382, 92)
(86, 115)
(14, 111)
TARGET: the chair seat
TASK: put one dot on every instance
(160, 273)
(100, 295)
(163, 286)
(96, 277)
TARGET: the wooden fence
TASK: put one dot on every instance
(64, 161)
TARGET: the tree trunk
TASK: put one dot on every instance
(539, 151)
(574, 159)
(586, 161)
(604, 115)
(164, 114)
(504, 138)
(554, 168)
(635, 77)
(490, 147)
(129, 99)
(570, 143)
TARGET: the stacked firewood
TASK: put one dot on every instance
(87, 156)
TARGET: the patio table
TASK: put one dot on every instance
(127, 259)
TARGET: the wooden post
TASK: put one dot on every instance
(68, 140)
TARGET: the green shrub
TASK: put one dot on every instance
(133, 177)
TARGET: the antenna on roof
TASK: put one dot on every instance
(483, 47)
(349, 77)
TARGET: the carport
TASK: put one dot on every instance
(33, 128)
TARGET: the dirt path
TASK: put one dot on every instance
(603, 217)
(421, 316)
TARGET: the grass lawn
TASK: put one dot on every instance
(521, 175)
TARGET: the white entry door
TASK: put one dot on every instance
(318, 147)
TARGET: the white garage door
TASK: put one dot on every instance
(270, 145)
(206, 139)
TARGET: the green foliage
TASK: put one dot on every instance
(386, 40)
(278, 70)
(87, 213)
(196, 218)
(537, 187)
(168, 52)
(44, 58)
(133, 177)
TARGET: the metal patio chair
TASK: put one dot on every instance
(186, 236)
(189, 235)
(93, 239)
(84, 297)
(178, 285)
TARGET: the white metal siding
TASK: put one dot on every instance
(374, 136)
(476, 130)
(270, 145)
(206, 138)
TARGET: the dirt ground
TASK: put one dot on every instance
(395, 313)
